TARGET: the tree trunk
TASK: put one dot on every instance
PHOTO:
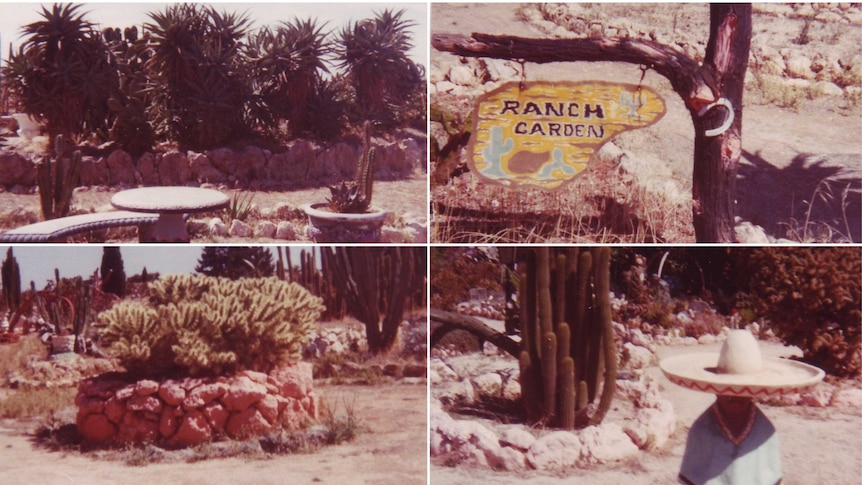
(721, 76)
(716, 158)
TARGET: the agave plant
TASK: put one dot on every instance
(286, 64)
(373, 52)
(197, 74)
(62, 73)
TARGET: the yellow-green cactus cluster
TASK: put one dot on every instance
(199, 325)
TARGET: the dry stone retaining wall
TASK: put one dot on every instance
(301, 163)
(187, 412)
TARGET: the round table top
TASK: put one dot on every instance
(170, 200)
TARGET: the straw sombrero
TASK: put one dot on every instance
(739, 370)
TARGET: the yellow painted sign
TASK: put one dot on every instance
(543, 134)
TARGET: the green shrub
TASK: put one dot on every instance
(201, 325)
(812, 297)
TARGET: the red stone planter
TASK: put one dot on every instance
(187, 412)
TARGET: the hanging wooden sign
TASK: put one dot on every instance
(542, 134)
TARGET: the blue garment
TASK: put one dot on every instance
(711, 458)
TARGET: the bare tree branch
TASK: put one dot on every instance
(695, 84)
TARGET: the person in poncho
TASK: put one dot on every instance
(733, 442)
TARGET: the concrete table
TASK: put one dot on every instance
(171, 204)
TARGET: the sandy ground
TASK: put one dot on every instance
(819, 446)
(391, 451)
(786, 152)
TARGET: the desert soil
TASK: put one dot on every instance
(787, 151)
(819, 446)
(391, 450)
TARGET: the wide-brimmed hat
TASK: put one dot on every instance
(739, 370)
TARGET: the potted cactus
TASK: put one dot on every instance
(348, 215)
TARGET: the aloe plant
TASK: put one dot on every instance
(286, 64)
(62, 73)
(373, 53)
(197, 74)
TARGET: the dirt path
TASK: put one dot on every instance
(391, 451)
(819, 446)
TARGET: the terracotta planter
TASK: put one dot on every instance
(327, 227)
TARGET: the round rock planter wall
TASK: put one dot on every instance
(186, 412)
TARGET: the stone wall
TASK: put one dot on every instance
(186, 412)
(301, 163)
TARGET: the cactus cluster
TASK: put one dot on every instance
(355, 197)
(57, 180)
(69, 313)
(202, 325)
(568, 357)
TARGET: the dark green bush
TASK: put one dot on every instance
(811, 296)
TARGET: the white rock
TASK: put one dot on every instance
(818, 398)
(463, 75)
(826, 88)
(748, 233)
(605, 443)
(512, 390)
(706, 339)
(555, 451)
(489, 384)
(456, 392)
(286, 230)
(799, 67)
(652, 426)
(637, 357)
(217, 227)
(265, 229)
(517, 438)
(239, 228)
(444, 371)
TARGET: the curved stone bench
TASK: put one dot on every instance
(58, 229)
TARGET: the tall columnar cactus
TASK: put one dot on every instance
(356, 196)
(11, 279)
(376, 284)
(57, 180)
(568, 354)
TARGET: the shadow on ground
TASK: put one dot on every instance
(814, 198)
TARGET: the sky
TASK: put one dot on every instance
(37, 263)
(13, 15)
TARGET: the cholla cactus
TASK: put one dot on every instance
(355, 197)
(199, 325)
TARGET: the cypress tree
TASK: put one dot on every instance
(112, 271)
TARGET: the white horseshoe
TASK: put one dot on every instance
(727, 122)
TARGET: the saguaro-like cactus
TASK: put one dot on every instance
(567, 348)
(57, 180)
(376, 284)
(356, 196)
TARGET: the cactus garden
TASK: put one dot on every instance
(238, 353)
(269, 107)
(544, 360)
